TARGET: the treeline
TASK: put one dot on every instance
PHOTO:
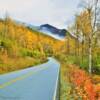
(14, 36)
(86, 29)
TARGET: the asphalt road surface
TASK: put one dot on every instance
(35, 83)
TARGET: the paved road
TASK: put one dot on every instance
(35, 83)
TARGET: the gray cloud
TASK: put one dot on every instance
(55, 12)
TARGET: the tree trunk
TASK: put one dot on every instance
(82, 51)
(68, 46)
(90, 56)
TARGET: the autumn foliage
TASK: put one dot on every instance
(83, 83)
(18, 41)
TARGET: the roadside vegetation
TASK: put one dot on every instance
(78, 84)
(80, 71)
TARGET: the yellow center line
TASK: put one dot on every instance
(19, 78)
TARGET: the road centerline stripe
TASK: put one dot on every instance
(20, 78)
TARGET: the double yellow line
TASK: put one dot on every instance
(20, 78)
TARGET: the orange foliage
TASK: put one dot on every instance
(97, 89)
(78, 77)
(89, 88)
(84, 85)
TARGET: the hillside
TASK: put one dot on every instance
(18, 42)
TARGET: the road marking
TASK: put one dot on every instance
(56, 86)
(20, 78)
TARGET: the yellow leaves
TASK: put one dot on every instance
(29, 40)
(4, 56)
(83, 22)
(26, 38)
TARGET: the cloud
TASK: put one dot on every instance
(36, 12)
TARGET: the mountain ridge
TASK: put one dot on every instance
(50, 30)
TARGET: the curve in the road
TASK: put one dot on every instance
(35, 83)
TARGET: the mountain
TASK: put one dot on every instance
(53, 31)
(46, 29)
(50, 31)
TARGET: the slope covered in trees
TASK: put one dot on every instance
(19, 43)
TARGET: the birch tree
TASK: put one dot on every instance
(91, 6)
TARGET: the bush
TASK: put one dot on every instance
(10, 46)
(96, 64)
(36, 54)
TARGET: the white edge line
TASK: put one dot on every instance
(55, 92)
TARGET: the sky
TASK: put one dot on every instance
(59, 13)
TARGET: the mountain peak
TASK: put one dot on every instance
(53, 30)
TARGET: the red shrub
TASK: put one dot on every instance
(82, 80)
(78, 77)
(89, 88)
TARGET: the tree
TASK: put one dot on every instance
(91, 7)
